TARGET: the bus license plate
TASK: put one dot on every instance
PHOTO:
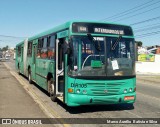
(126, 98)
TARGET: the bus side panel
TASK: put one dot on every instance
(49, 68)
(44, 71)
(19, 58)
(16, 60)
(33, 61)
(21, 64)
(40, 73)
(29, 64)
(43, 68)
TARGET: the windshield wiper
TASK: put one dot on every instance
(90, 37)
(116, 43)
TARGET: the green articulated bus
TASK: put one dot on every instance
(82, 63)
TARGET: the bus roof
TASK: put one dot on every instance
(55, 29)
(20, 43)
(65, 26)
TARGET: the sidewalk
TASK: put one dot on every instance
(14, 100)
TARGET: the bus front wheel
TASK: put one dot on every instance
(51, 90)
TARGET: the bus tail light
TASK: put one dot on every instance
(70, 90)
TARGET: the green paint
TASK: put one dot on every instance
(95, 93)
(66, 80)
(96, 64)
(62, 34)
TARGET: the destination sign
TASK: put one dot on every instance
(82, 29)
(101, 28)
(108, 31)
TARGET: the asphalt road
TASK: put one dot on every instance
(147, 104)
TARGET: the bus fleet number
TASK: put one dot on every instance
(76, 85)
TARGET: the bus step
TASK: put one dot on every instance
(60, 98)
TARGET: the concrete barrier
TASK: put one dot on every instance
(149, 67)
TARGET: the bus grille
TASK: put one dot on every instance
(105, 100)
(102, 89)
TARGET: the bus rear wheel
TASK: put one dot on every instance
(51, 90)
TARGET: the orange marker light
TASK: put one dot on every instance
(126, 98)
(70, 90)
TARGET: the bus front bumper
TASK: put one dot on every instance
(77, 100)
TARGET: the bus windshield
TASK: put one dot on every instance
(86, 60)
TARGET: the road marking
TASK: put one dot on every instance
(44, 107)
(149, 96)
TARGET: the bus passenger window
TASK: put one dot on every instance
(19, 50)
(44, 48)
(60, 53)
(51, 47)
(39, 48)
(29, 52)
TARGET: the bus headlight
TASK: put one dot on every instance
(130, 89)
(125, 91)
(78, 91)
(84, 92)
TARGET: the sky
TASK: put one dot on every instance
(24, 18)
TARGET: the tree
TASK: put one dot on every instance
(5, 48)
(139, 43)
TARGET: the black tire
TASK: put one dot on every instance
(29, 77)
(52, 90)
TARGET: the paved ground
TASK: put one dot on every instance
(147, 104)
(15, 102)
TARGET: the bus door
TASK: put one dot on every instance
(34, 49)
(59, 68)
